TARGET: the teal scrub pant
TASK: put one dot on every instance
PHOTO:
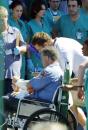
(1, 101)
(86, 94)
(86, 104)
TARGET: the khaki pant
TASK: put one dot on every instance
(75, 100)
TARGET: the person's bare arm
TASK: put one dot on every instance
(81, 72)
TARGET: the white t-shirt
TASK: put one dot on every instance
(70, 50)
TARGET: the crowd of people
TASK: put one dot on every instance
(36, 49)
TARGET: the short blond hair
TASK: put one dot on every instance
(3, 11)
(40, 38)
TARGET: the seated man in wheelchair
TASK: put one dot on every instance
(45, 84)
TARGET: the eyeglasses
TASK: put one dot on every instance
(55, 1)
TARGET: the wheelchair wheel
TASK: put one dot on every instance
(72, 120)
(45, 115)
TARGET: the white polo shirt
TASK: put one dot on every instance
(70, 50)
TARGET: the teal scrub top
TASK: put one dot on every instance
(84, 12)
(2, 59)
(86, 94)
(34, 26)
(36, 60)
(4, 3)
(77, 30)
(52, 17)
(20, 25)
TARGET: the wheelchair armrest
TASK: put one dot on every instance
(69, 87)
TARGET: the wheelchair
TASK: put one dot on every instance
(31, 111)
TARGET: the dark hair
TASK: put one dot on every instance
(35, 8)
(86, 42)
(79, 2)
(15, 3)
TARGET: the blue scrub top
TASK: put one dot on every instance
(34, 26)
(36, 60)
(20, 25)
(86, 93)
(83, 12)
(77, 30)
(51, 17)
(4, 3)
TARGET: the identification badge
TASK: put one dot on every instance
(79, 35)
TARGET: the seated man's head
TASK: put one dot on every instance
(49, 55)
(40, 40)
(85, 48)
(3, 18)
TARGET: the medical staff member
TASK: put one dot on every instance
(53, 14)
(72, 25)
(16, 9)
(10, 53)
(37, 23)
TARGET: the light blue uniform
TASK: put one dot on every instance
(34, 26)
(22, 27)
(12, 63)
(9, 63)
(52, 17)
(47, 82)
(77, 30)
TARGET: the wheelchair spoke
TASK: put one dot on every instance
(44, 115)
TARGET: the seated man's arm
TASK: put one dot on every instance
(39, 82)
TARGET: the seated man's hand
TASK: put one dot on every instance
(30, 88)
(81, 93)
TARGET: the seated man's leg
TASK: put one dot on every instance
(10, 103)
